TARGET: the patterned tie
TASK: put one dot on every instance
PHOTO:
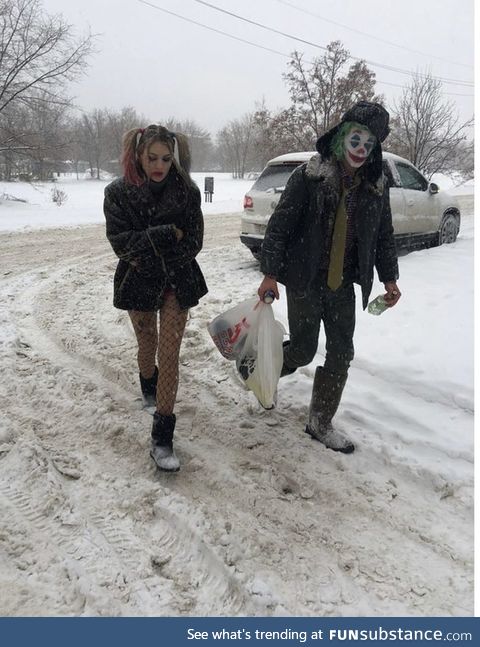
(337, 250)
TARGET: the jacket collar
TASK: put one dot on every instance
(326, 171)
(323, 171)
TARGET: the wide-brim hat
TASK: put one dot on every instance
(374, 117)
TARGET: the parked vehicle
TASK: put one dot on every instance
(423, 216)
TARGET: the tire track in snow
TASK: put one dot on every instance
(252, 476)
(103, 558)
(45, 338)
(119, 572)
(47, 345)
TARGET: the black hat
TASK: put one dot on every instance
(371, 115)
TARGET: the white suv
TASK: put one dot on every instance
(423, 216)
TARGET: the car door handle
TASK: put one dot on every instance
(410, 203)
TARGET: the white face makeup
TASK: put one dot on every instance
(359, 143)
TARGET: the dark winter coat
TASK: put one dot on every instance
(300, 230)
(141, 229)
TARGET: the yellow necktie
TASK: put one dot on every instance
(337, 250)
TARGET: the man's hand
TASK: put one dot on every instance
(268, 283)
(393, 293)
(178, 234)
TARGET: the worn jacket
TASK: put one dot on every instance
(300, 230)
(140, 226)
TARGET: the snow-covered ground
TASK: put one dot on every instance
(261, 520)
(84, 198)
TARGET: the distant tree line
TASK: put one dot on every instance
(42, 132)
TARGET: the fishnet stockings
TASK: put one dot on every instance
(165, 343)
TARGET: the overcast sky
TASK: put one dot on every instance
(164, 66)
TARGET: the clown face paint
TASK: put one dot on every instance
(359, 143)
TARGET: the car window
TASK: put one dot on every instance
(275, 176)
(388, 173)
(411, 178)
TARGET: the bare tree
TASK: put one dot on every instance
(93, 139)
(321, 92)
(13, 145)
(357, 85)
(464, 160)
(426, 128)
(117, 124)
(235, 144)
(34, 139)
(39, 56)
(270, 138)
(37, 53)
(44, 126)
(199, 140)
(281, 132)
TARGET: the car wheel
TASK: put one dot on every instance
(448, 229)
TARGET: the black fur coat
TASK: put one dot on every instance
(299, 233)
(140, 225)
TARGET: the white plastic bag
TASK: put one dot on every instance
(251, 336)
(229, 330)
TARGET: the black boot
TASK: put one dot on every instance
(162, 443)
(149, 388)
(326, 395)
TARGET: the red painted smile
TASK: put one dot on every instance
(355, 158)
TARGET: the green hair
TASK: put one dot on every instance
(338, 141)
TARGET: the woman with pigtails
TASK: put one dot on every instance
(154, 223)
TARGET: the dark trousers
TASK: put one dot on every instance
(305, 313)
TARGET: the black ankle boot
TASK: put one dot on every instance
(149, 388)
(162, 443)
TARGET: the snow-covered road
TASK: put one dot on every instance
(261, 520)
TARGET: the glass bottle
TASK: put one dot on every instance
(377, 305)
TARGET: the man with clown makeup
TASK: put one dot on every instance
(330, 229)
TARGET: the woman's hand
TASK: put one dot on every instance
(179, 234)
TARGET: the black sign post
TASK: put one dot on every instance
(208, 189)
